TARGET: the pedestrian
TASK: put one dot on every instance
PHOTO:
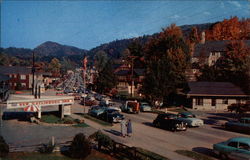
(129, 128)
(123, 128)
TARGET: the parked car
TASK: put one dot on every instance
(145, 107)
(112, 116)
(237, 148)
(96, 111)
(190, 119)
(243, 125)
(169, 121)
(89, 102)
(131, 107)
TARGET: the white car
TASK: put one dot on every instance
(190, 119)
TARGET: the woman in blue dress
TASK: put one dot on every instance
(129, 128)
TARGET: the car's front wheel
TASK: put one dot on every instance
(223, 156)
(157, 124)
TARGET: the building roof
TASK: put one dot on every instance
(18, 70)
(138, 72)
(3, 77)
(14, 70)
(122, 72)
(212, 46)
(214, 89)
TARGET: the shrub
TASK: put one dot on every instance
(80, 147)
(4, 147)
(47, 148)
(103, 140)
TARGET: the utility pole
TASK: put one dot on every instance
(33, 73)
(132, 73)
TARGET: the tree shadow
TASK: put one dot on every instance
(205, 151)
(114, 132)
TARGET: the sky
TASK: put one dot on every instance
(86, 24)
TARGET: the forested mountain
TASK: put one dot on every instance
(55, 49)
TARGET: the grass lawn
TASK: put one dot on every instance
(96, 120)
(152, 154)
(51, 118)
(81, 125)
(194, 155)
(95, 155)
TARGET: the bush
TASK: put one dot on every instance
(103, 140)
(4, 147)
(80, 147)
(47, 148)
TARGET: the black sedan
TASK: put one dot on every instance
(112, 116)
(170, 122)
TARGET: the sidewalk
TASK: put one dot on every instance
(135, 140)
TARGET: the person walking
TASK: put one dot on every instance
(123, 128)
(129, 128)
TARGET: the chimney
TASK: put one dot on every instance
(203, 37)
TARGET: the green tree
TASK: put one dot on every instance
(166, 57)
(101, 60)
(106, 79)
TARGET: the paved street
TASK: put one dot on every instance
(145, 135)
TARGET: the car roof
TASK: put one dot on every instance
(167, 114)
(241, 139)
(246, 118)
(186, 113)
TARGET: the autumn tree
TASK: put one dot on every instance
(166, 58)
(233, 66)
(54, 67)
(230, 29)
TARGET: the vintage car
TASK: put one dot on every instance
(131, 107)
(169, 121)
(243, 125)
(190, 119)
(145, 107)
(96, 111)
(112, 116)
(237, 148)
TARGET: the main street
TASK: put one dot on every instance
(145, 135)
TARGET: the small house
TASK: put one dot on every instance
(214, 95)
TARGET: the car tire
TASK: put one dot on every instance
(173, 129)
(223, 156)
(158, 125)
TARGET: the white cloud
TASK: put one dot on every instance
(207, 13)
(175, 16)
(235, 3)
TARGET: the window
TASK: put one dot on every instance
(199, 101)
(225, 101)
(244, 146)
(10, 75)
(23, 77)
(213, 102)
(23, 84)
(14, 84)
(233, 144)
